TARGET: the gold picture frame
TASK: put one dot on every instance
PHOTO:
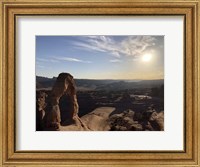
(10, 9)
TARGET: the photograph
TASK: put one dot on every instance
(99, 83)
(90, 83)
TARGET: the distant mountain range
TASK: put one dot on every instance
(106, 84)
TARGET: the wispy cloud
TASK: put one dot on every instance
(41, 60)
(70, 59)
(59, 59)
(130, 46)
(46, 60)
(115, 61)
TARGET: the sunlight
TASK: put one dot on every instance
(146, 57)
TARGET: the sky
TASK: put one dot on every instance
(139, 57)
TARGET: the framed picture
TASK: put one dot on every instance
(99, 83)
(119, 84)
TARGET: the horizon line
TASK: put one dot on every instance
(102, 79)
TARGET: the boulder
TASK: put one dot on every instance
(40, 109)
(124, 122)
(157, 121)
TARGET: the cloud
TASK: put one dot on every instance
(59, 59)
(129, 46)
(115, 61)
(40, 66)
(41, 60)
(85, 46)
(46, 60)
(98, 43)
(70, 59)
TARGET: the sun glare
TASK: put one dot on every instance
(146, 57)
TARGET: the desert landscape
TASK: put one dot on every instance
(100, 83)
(105, 105)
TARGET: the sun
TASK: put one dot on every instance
(146, 57)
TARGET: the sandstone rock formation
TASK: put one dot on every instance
(40, 109)
(57, 109)
(124, 122)
(64, 85)
(128, 120)
(157, 120)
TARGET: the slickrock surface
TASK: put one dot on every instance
(97, 120)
